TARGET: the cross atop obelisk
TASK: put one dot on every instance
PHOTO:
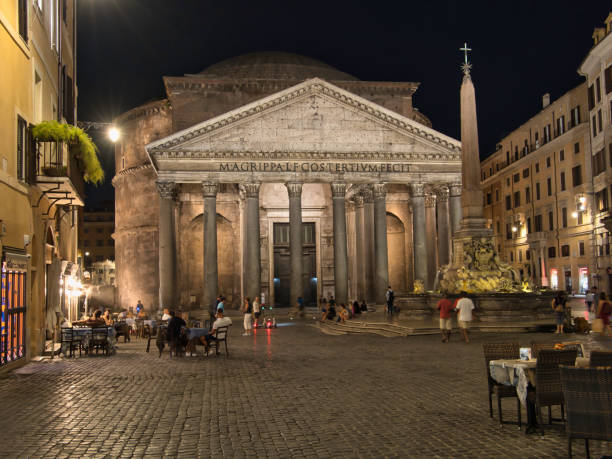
(466, 66)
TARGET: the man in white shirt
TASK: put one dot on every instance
(465, 306)
(220, 322)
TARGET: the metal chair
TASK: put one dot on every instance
(601, 359)
(548, 391)
(495, 351)
(537, 346)
(72, 342)
(99, 340)
(220, 336)
(589, 406)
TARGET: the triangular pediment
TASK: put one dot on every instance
(312, 117)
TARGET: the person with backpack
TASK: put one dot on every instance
(390, 296)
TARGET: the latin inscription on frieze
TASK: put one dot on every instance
(288, 166)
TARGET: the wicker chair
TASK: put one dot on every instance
(494, 351)
(601, 359)
(589, 405)
(537, 346)
(548, 390)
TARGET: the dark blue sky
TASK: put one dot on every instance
(521, 50)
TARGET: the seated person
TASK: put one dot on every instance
(96, 320)
(343, 314)
(364, 307)
(107, 318)
(130, 314)
(142, 314)
(122, 315)
(329, 313)
(356, 308)
(166, 315)
(175, 333)
(220, 322)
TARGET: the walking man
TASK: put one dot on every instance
(445, 306)
(390, 296)
(465, 306)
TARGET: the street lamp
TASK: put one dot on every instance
(113, 134)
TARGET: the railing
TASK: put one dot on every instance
(53, 159)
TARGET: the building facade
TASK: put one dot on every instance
(96, 242)
(538, 195)
(597, 68)
(274, 174)
(40, 188)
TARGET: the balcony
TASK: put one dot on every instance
(57, 173)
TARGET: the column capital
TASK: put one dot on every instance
(430, 200)
(379, 190)
(367, 194)
(455, 189)
(210, 189)
(358, 200)
(442, 194)
(338, 189)
(251, 189)
(167, 190)
(417, 190)
(294, 189)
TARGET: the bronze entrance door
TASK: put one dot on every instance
(282, 265)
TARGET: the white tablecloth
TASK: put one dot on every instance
(512, 373)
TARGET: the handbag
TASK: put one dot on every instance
(597, 326)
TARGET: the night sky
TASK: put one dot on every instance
(521, 50)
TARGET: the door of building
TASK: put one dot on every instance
(282, 264)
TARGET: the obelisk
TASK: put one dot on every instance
(475, 266)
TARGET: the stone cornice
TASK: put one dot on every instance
(199, 83)
(143, 110)
(307, 156)
(131, 171)
(307, 88)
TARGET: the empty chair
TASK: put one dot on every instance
(601, 359)
(70, 340)
(496, 351)
(548, 391)
(99, 340)
(586, 392)
(538, 346)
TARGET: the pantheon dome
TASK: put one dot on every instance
(274, 66)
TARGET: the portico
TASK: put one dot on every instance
(300, 156)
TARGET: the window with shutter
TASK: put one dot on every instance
(577, 175)
(598, 90)
(21, 148)
(23, 19)
(591, 97)
(562, 181)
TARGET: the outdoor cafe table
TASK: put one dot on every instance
(85, 333)
(197, 332)
(520, 373)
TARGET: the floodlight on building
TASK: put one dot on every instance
(575, 214)
(86, 254)
(514, 229)
(582, 199)
(113, 134)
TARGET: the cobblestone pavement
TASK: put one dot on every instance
(290, 392)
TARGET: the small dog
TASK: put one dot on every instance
(581, 325)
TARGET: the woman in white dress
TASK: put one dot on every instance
(248, 316)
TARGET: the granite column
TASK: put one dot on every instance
(340, 249)
(253, 253)
(455, 207)
(296, 282)
(380, 242)
(167, 246)
(419, 233)
(444, 228)
(211, 275)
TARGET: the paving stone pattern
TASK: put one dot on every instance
(290, 392)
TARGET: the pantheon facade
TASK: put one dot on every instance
(276, 175)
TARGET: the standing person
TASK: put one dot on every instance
(445, 306)
(248, 316)
(356, 308)
(604, 309)
(558, 305)
(595, 299)
(256, 310)
(139, 306)
(390, 296)
(465, 306)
